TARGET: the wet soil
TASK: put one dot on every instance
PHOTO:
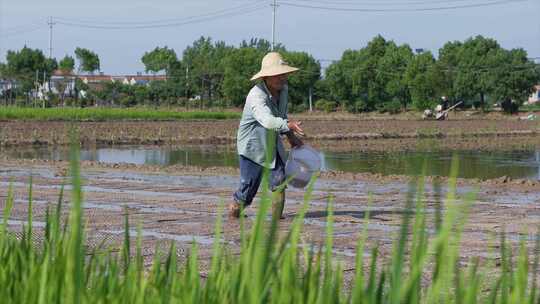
(339, 134)
(180, 204)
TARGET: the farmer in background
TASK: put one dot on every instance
(444, 103)
(265, 116)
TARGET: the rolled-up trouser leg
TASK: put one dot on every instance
(251, 176)
(278, 204)
(277, 178)
(250, 179)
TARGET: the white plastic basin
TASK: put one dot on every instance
(302, 163)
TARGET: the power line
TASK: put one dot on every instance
(179, 22)
(159, 21)
(21, 30)
(384, 3)
(420, 9)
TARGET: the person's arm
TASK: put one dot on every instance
(263, 114)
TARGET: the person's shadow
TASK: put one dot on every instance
(355, 214)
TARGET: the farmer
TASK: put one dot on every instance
(444, 103)
(265, 117)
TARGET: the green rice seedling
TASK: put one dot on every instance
(105, 114)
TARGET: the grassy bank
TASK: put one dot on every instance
(106, 114)
(424, 267)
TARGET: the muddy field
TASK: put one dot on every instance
(181, 204)
(338, 134)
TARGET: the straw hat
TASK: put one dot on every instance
(272, 65)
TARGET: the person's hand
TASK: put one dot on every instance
(294, 126)
(294, 141)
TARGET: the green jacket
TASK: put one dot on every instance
(261, 116)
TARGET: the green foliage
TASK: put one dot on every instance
(204, 59)
(423, 77)
(239, 67)
(301, 82)
(105, 114)
(300, 108)
(159, 59)
(325, 105)
(511, 83)
(26, 64)
(358, 106)
(477, 71)
(88, 60)
(392, 107)
(67, 64)
(480, 71)
(373, 74)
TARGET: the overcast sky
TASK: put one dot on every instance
(322, 32)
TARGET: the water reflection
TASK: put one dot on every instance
(472, 164)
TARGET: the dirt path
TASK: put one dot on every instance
(180, 205)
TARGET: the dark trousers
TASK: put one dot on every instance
(251, 176)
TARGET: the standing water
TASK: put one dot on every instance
(472, 164)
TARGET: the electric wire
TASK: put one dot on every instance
(384, 3)
(186, 21)
(160, 21)
(419, 9)
(21, 29)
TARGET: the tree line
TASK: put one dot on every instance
(381, 76)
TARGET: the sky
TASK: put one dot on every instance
(120, 38)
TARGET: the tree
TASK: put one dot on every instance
(262, 45)
(480, 71)
(204, 60)
(513, 78)
(391, 71)
(88, 60)
(370, 77)
(471, 67)
(301, 83)
(26, 64)
(423, 79)
(159, 59)
(239, 67)
(67, 64)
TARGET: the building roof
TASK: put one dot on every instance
(96, 78)
(147, 77)
(62, 73)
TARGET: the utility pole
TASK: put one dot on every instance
(187, 81)
(311, 99)
(274, 8)
(50, 23)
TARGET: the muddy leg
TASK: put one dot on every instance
(278, 204)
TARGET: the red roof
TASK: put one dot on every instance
(96, 78)
(146, 77)
(62, 73)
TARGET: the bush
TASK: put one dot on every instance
(127, 101)
(72, 102)
(299, 108)
(325, 105)
(392, 107)
(422, 105)
(358, 106)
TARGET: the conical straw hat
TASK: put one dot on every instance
(272, 65)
